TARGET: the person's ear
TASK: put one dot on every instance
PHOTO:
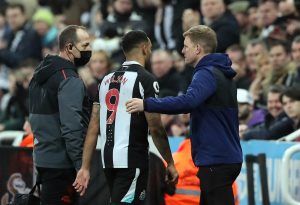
(199, 49)
(70, 47)
(144, 49)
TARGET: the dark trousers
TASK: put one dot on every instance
(57, 186)
(216, 183)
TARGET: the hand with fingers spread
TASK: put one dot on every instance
(135, 105)
(171, 174)
(81, 182)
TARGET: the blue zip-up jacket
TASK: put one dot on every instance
(211, 100)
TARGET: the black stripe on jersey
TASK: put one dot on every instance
(138, 136)
(111, 99)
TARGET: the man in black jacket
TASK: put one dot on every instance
(276, 125)
(162, 68)
(59, 117)
(291, 105)
(217, 17)
(22, 41)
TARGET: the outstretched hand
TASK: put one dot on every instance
(81, 182)
(135, 105)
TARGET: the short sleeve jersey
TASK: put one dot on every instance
(124, 142)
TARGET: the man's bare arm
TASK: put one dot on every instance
(161, 142)
(83, 175)
(91, 137)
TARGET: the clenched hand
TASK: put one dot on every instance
(171, 174)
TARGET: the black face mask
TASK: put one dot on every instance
(84, 58)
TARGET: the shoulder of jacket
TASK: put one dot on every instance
(67, 73)
(206, 68)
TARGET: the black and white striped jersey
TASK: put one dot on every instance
(123, 139)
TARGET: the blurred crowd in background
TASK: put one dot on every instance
(262, 38)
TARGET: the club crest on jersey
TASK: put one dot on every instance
(116, 79)
(142, 195)
(156, 87)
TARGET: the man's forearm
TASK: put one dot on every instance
(161, 142)
(159, 136)
(166, 105)
(201, 88)
(91, 138)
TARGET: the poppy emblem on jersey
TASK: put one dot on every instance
(142, 195)
(66, 199)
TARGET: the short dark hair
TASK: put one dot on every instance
(276, 89)
(132, 39)
(16, 5)
(296, 39)
(275, 2)
(282, 44)
(68, 35)
(291, 92)
(2, 10)
(257, 41)
(237, 48)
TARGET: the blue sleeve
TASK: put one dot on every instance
(203, 85)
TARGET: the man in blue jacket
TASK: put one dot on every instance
(211, 100)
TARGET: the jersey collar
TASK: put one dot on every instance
(131, 62)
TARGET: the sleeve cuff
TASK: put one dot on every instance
(77, 165)
(145, 105)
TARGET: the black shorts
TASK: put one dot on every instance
(127, 185)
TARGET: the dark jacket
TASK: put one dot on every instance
(294, 78)
(227, 30)
(28, 44)
(13, 116)
(211, 100)
(271, 129)
(170, 83)
(58, 107)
